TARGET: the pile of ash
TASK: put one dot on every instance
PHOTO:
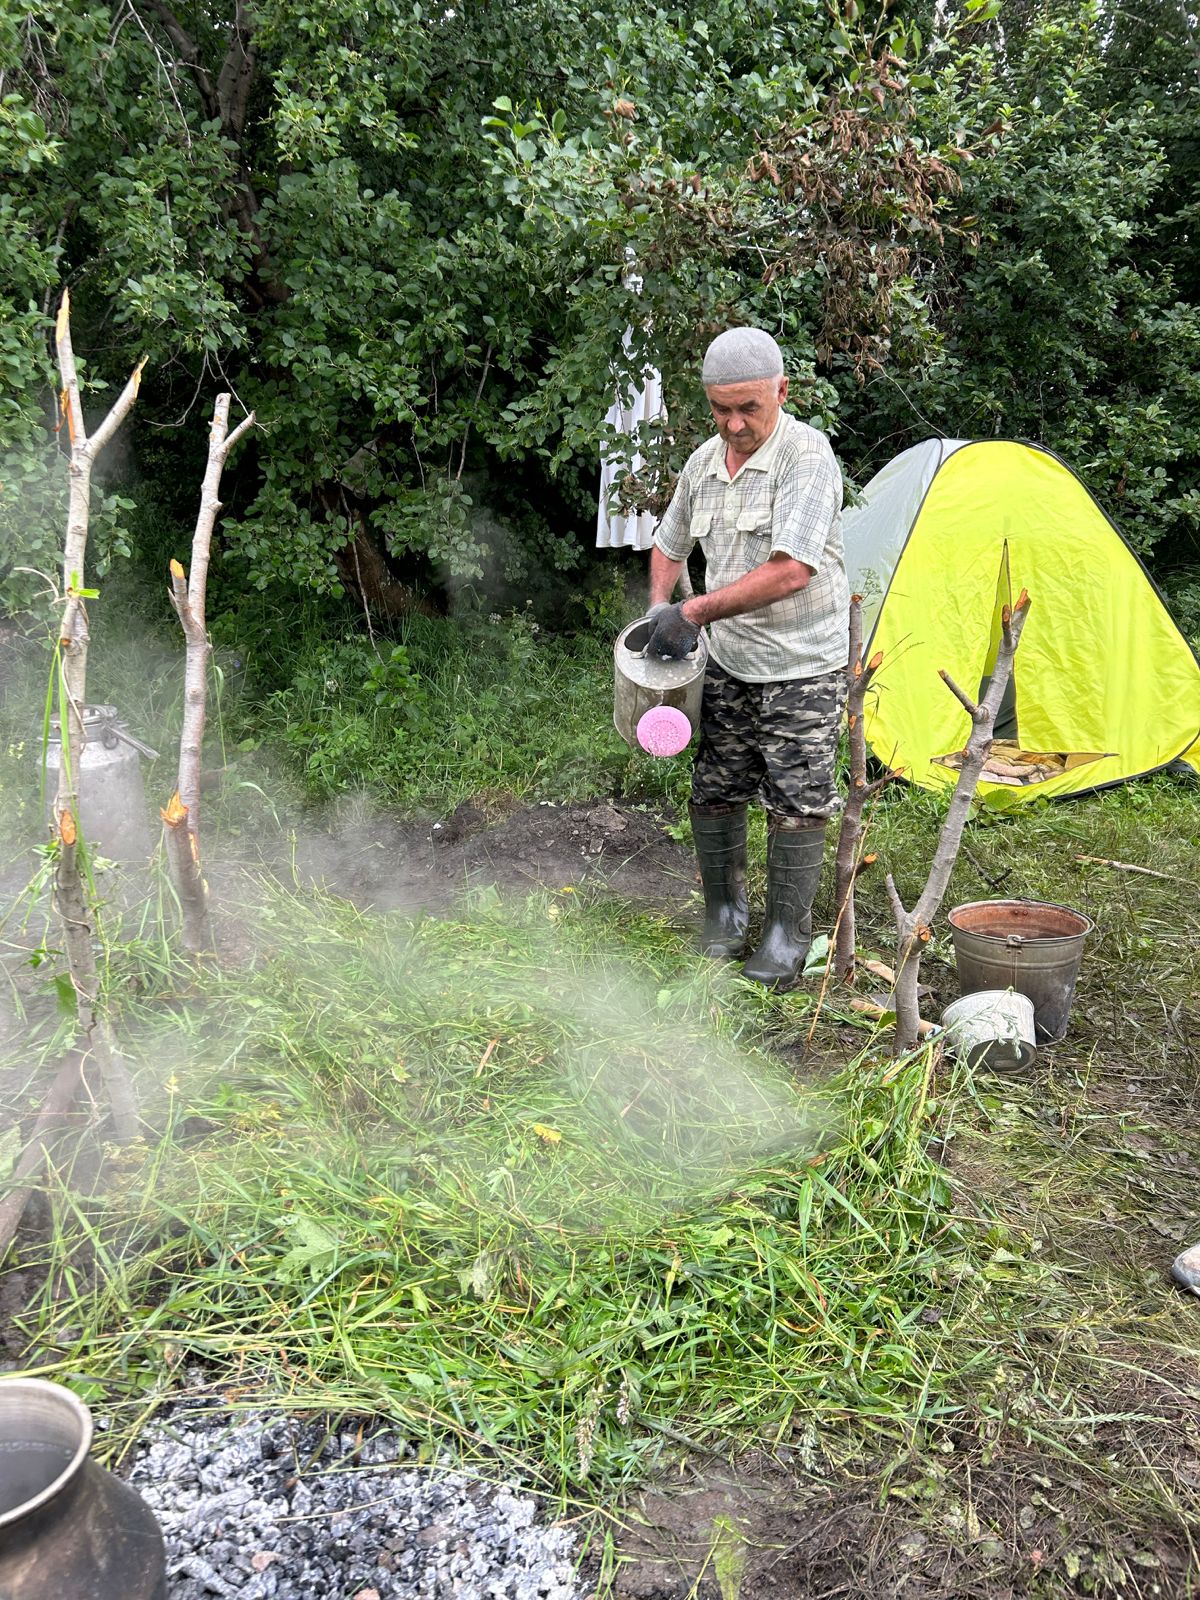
(268, 1507)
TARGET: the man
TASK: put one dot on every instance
(764, 501)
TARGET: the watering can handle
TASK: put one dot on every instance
(641, 654)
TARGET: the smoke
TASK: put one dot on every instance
(491, 1059)
(346, 941)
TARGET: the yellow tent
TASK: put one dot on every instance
(1106, 686)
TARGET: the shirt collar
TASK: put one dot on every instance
(760, 461)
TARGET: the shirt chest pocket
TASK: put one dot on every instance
(701, 524)
(753, 525)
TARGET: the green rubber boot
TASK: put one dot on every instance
(795, 850)
(720, 836)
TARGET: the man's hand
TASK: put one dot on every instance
(674, 636)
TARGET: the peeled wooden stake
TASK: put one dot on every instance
(71, 895)
(181, 814)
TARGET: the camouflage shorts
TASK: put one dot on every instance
(772, 741)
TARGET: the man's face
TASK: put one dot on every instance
(746, 413)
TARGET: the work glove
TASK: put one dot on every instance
(674, 636)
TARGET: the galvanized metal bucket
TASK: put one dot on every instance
(641, 682)
(1032, 946)
(992, 1028)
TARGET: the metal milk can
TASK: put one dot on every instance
(642, 682)
(69, 1530)
(112, 797)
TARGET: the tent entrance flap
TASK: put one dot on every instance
(1006, 726)
(1008, 763)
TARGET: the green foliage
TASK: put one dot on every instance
(1063, 320)
(401, 237)
(28, 272)
(1182, 589)
(456, 710)
(406, 238)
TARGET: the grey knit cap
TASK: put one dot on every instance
(741, 355)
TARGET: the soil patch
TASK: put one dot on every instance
(391, 863)
(1015, 1525)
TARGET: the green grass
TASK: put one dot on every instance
(453, 711)
(534, 1184)
(488, 1178)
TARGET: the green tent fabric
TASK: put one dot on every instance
(1106, 688)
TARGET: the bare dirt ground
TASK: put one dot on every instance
(395, 864)
(1019, 1524)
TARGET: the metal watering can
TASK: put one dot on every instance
(642, 684)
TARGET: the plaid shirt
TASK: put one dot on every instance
(786, 497)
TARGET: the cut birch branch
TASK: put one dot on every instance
(69, 894)
(189, 597)
(848, 861)
(55, 1108)
(871, 1008)
(913, 928)
(1126, 866)
(879, 969)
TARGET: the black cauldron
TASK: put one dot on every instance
(69, 1530)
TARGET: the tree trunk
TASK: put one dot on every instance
(188, 595)
(914, 928)
(69, 894)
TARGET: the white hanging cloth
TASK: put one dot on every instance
(632, 530)
(629, 530)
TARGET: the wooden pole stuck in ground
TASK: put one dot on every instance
(849, 860)
(70, 897)
(188, 595)
(913, 928)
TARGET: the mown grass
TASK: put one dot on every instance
(487, 1178)
(535, 1185)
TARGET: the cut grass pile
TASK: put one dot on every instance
(483, 1177)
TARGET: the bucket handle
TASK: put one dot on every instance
(691, 655)
(142, 749)
(1015, 941)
